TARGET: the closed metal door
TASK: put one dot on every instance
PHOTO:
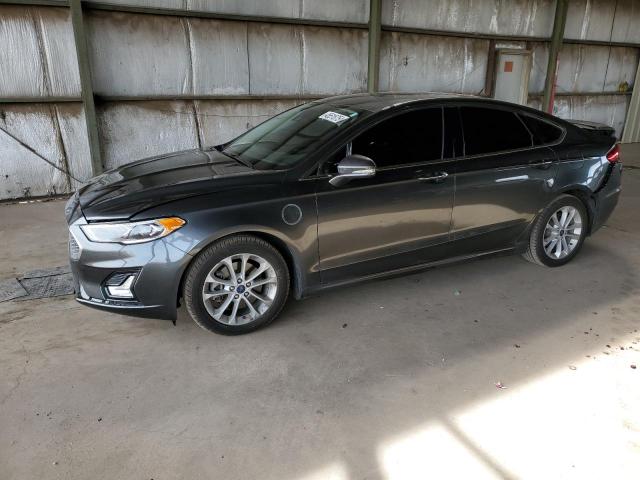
(512, 76)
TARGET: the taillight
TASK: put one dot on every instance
(614, 154)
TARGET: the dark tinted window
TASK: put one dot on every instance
(488, 130)
(411, 137)
(452, 133)
(543, 132)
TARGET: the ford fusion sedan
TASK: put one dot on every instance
(333, 192)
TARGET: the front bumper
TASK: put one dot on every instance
(158, 267)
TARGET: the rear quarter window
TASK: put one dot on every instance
(543, 132)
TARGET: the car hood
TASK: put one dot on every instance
(124, 192)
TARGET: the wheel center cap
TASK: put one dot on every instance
(240, 289)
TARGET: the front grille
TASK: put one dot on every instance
(74, 248)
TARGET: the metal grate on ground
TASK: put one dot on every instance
(42, 283)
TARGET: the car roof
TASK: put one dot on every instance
(382, 101)
(378, 102)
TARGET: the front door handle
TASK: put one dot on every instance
(436, 177)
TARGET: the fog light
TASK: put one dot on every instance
(123, 290)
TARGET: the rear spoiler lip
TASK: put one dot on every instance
(598, 128)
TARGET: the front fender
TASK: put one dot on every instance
(296, 242)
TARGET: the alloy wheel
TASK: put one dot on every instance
(239, 289)
(562, 232)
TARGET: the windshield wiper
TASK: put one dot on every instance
(244, 162)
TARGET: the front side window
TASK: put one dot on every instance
(488, 130)
(287, 139)
(411, 137)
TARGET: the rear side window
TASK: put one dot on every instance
(487, 130)
(543, 132)
(412, 137)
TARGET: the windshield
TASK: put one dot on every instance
(286, 139)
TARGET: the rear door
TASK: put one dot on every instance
(391, 220)
(502, 181)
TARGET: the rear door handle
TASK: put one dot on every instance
(543, 165)
(436, 177)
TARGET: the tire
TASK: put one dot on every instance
(536, 252)
(259, 300)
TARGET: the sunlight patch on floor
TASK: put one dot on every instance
(432, 452)
(334, 471)
(577, 422)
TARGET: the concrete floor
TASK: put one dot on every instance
(392, 379)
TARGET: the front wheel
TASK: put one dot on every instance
(236, 285)
(558, 232)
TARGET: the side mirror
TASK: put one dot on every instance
(353, 166)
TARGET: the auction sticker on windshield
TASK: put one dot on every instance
(334, 117)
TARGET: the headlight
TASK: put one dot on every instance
(132, 232)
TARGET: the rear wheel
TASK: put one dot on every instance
(558, 232)
(236, 285)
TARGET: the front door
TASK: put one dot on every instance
(389, 221)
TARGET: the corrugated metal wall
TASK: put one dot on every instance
(132, 130)
(632, 125)
(266, 67)
(419, 62)
(43, 146)
(532, 18)
(138, 55)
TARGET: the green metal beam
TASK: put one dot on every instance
(38, 3)
(451, 33)
(375, 32)
(556, 43)
(187, 97)
(499, 37)
(40, 99)
(88, 100)
(490, 77)
(148, 10)
(306, 98)
(584, 94)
